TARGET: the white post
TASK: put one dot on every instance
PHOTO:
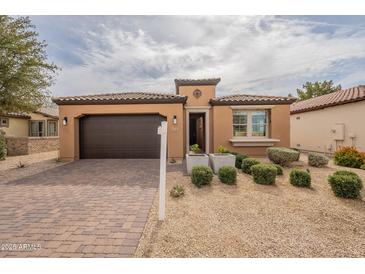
(162, 130)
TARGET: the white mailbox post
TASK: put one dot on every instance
(162, 130)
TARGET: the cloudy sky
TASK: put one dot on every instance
(252, 54)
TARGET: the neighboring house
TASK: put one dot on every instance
(124, 125)
(30, 133)
(41, 123)
(327, 122)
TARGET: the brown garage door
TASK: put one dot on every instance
(120, 137)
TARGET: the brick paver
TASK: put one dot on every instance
(87, 208)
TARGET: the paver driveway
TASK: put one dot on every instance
(87, 208)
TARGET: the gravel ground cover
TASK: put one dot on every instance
(250, 220)
(33, 164)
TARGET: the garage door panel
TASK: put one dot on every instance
(120, 136)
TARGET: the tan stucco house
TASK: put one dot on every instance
(32, 132)
(124, 125)
(327, 122)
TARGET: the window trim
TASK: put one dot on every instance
(44, 129)
(7, 122)
(249, 113)
(56, 132)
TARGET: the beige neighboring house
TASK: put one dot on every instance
(124, 125)
(327, 122)
(30, 133)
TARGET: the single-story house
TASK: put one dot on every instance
(124, 125)
(30, 132)
(327, 122)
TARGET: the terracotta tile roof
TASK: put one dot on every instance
(246, 99)
(16, 115)
(48, 111)
(121, 98)
(197, 82)
(345, 96)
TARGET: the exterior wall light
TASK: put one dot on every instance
(174, 120)
(64, 121)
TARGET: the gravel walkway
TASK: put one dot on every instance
(250, 220)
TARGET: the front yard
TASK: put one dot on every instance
(251, 220)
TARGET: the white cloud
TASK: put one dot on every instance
(267, 55)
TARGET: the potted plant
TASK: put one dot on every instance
(222, 158)
(195, 158)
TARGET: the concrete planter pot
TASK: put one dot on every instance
(217, 160)
(196, 160)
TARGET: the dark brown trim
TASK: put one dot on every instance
(250, 103)
(327, 105)
(119, 102)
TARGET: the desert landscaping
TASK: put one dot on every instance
(252, 220)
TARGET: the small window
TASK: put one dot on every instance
(4, 122)
(239, 124)
(36, 129)
(250, 123)
(52, 128)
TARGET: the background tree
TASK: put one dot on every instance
(315, 89)
(25, 74)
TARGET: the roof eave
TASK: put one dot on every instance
(120, 102)
(249, 103)
(327, 106)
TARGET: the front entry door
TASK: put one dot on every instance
(197, 130)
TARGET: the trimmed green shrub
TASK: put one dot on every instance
(227, 175)
(195, 148)
(2, 147)
(177, 191)
(349, 157)
(264, 174)
(222, 149)
(317, 159)
(300, 178)
(201, 175)
(298, 153)
(345, 184)
(248, 163)
(279, 169)
(239, 158)
(282, 156)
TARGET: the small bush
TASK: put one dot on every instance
(177, 191)
(239, 158)
(227, 175)
(195, 148)
(279, 169)
(349, 157)
(282, 156)
(363, 167)
(297, 159)
(222, 149)
(172, 161)
(300, 178)
(201, 175)
(264, 174)
(2, 147)
(317, 159)
(248, 163)
(345, 184)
